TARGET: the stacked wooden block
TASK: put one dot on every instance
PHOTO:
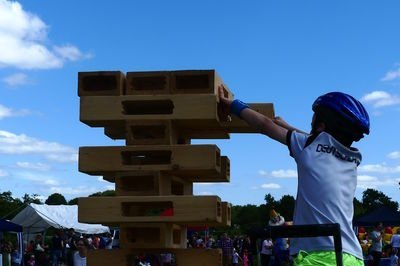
(157, 114)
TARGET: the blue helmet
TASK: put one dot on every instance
(346, 106)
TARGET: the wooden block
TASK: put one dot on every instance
(153, 133)
(197, 82)
(106, 257)
(190, 120)
(226, 216)
(226, 213)
(115, 130)
(180, 160)
(184, 210)
(101, 83)
(152, 235)
(99, 111)
(222, 176)
(152, 82)
(126, 256)
(198, 257)
(119, 131)
(150, 183)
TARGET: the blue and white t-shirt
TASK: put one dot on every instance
(327, 179)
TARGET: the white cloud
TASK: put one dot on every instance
(16, 80)
(70, 52)
(23, 43)
(271, 186)
(381, 99)
(288, 173)
(284, 173)
(39, 179)
(11, 143)
(394, 155)
(391, 75)
(8, 112)
(378, 168)
(62, 157)
(5, 112)
(3, 173)
(33, 166)
(366, 181)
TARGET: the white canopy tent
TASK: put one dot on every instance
(38, 217)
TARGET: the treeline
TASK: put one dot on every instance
(10, 206)
(244, 217)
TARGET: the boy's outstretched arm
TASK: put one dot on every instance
(264, 124)
(280, 122)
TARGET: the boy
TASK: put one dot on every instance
(326, 166)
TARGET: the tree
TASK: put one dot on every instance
(9, 206)
(106, 193)
(33, 198)
(358, 207)
(74, 201)
(248, 216)
(285, 206)
(56, 199)
(373, 199)
(270, 202)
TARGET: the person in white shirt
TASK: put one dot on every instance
(266, 251)
(395, 240)
(80, 255)
(235, 258)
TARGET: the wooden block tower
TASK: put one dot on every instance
(157, 114)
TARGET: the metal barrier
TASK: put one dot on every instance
(310, 230)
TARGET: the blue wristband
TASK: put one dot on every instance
(237, 107)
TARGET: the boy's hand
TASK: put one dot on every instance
(224, 105)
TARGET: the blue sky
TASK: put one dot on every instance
(284, 52)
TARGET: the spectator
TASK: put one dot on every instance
(40, 251)
(266, 251)
(376, 243)
(31, 261)
(235, 258)
(394, 259)
(227, 248)
(57, 247)
(247, 245)
(71, 247)
(245, 258)
(210, 242)
(79, 257)
(395, 240)
(16, 256)
(106, 241)
(6, 253)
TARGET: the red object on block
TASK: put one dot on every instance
(167, 212)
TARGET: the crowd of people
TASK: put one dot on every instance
(380, 244)
(244, 251)
(65, 248)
